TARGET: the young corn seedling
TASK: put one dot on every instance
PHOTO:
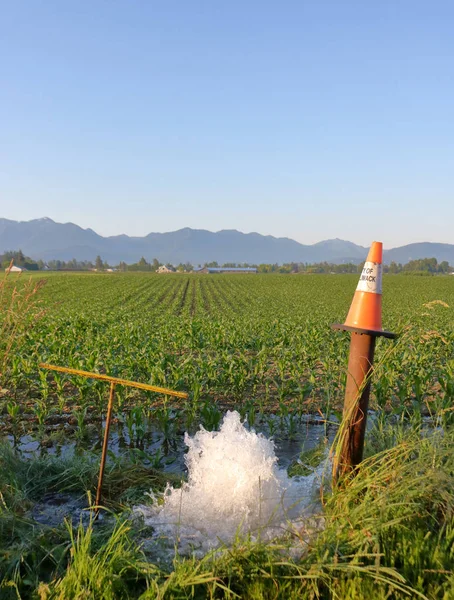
(166, 424)
(211, 416)
(41, 412)
(81, 415)
(59, 387)
(13, 410)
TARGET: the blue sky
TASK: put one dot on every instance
(310, 120)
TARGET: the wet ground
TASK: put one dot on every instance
(169, 455)
(54, 508)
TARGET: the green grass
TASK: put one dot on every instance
(388, 534)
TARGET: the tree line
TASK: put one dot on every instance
(423, 266)
(428, 266)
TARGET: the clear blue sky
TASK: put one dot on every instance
(310, 120)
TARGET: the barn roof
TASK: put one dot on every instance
(238, 269)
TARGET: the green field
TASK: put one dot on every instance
(261, 344)
(236, 339)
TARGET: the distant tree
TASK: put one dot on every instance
(155, 264)
(19, 258)
(394, 268)
(444, 267)
(285, 269)
(264, 268)
(142, 262)
(98, 263)
(31, 266)
(429, 265)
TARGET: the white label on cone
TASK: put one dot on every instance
(370, 278)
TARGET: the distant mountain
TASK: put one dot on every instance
(422, 250)
(45, 239)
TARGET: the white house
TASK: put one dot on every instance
(15, 269)
(164, 269)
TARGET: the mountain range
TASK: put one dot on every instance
(45, 239)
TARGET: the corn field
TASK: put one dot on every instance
(260, 344)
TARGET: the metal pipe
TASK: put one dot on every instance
(113, 382)
(356, 404)
(127, 382)
(104, 446)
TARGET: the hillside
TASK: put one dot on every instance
(45, 239)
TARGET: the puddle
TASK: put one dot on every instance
(54, 508)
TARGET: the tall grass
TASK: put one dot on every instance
(112, 571)
(388, 534)
(19, 309)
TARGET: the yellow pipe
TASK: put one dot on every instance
(115, 380)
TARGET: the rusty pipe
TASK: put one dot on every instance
(104, 446)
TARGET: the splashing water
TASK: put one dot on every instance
(234, 487)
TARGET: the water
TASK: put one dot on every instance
(55, 507)
(311, 431)
(235, 487)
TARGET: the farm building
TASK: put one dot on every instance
(227, 270)
(15, 269)
(164, 269)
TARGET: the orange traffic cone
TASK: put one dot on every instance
(364, 315)
(365, 310)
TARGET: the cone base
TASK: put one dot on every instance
(360, 330)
